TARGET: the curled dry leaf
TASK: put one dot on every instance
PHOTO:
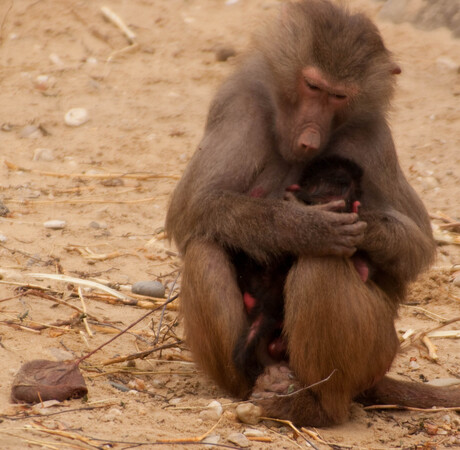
(41, 380)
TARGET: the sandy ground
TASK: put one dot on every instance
(147, 104)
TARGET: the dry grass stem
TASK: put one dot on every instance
(408, 408)
(118, 22)
(445, 334)
(139, 355)
(284, 437)
(314, 435)
(79, 281)
(431, 348)
(45, 296)
(190, 440)
(85, 320)
(88, 254)
(427, 313)
(293, 427)
(135, 176)
(265, 439)
(421, 334)
(74, 201)
(152, 303)
(19, 327)
(66, 434)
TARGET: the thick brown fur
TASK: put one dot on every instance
(324, 180)
(319, 82)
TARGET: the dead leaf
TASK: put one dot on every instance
(41, 380)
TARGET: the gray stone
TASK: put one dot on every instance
(149, 288)
(239, 439)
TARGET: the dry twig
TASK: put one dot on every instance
(79, 281)
(98, 176)
(85, 320)
(409, 408)
(118, 22)
(139, 355)
(293, 427)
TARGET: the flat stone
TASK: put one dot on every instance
(149, 288)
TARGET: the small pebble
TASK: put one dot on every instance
(43, 154)
(414, 365)
(3, 238)
(211, 439)
(158, 384)
(42, 82)
(91, 60)
(55, 224)
(252, 432)
(55, 59)
(249, 413)
(175, 401)
(76, 116)
(239, 439)
(456, 281)
(429, 183)
(137, 384)
(212, 412)
(30, 132)
(431, 428)
(120, 387)
(113, 414)
(97, 225)
(149, 288)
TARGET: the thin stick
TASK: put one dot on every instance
(314, 435)
(66, 434)
(75, 201)
(455, 319)
(21, 327)
(163, 312)
(445, 226)
(79, 281)
(139, 355)
(421, 335)
(61, 302)
(307, 387)
(427, 313)
(431, 348)
(293, 427)
(85, 320)
(97, 176)
(444, 334)
(148, 304)
(12, 298)
(409, 408)
(78, 361)
(116, 20)
(195, 439)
